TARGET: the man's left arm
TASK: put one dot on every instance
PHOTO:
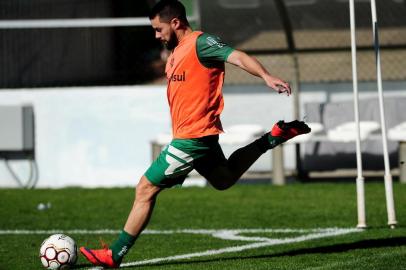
(253, 66)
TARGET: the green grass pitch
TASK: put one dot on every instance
(299, 207)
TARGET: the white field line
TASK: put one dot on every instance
(225, 234)
(184, 231)
(265, 242)
(46, 232)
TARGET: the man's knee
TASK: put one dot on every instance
(146, 191)
(222, 183)
(221, 186)
(222, 178)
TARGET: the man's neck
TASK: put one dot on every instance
(184, 32)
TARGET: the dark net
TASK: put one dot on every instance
(308, 36)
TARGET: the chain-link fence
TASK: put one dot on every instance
(312, 36)
(308, 40)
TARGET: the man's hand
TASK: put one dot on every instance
(278, 85)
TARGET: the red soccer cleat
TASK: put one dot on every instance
(290, 129)
(102, 257)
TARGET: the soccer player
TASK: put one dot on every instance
(195, 74)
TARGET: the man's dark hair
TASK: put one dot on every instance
(169, 9)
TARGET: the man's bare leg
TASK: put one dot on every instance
(140, 214)
(137, 220)
(142, 208)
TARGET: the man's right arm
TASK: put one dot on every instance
(253, 66)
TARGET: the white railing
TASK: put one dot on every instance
(78, 23)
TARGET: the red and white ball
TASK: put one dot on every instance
(58, 251)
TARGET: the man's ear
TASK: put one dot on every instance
(175, 23)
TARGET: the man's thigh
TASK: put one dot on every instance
(212, 162)
(180, 157)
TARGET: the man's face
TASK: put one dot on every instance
(164, 32)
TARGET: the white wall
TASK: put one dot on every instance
(101, 136)
(91, 137)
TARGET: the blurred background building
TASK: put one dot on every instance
(98, 93)
(316, 32)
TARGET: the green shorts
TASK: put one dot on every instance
(181, 156)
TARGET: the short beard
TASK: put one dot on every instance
(172, 42)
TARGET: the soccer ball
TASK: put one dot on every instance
(58, 251)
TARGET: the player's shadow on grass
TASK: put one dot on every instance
(344, 247)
